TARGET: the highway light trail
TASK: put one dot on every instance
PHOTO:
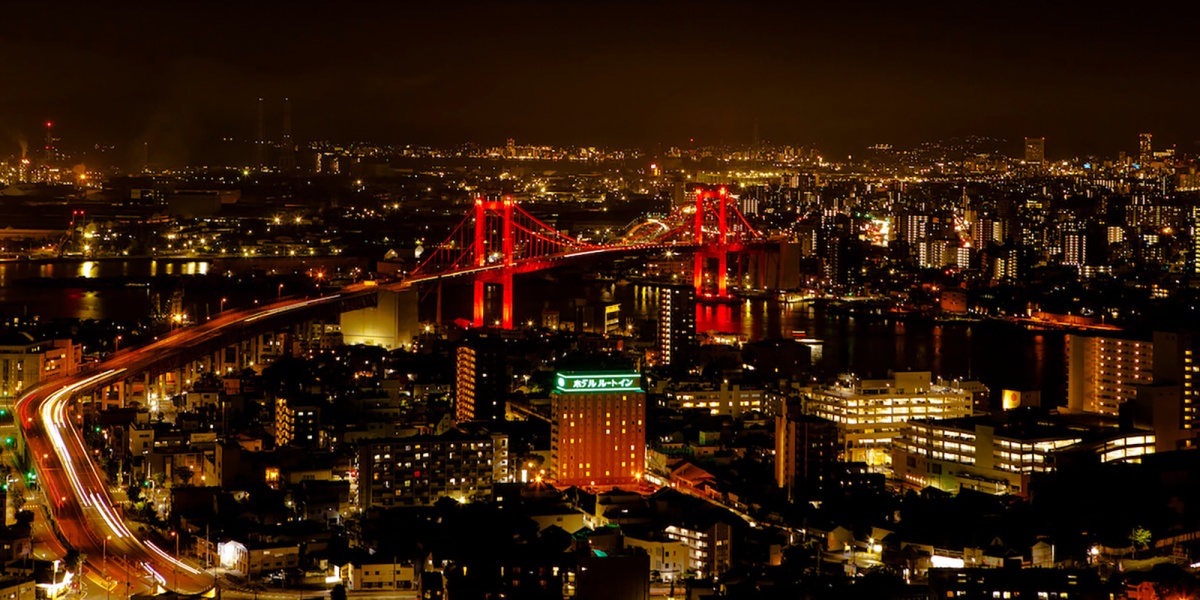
(290, 307)
(54, 420)
(90, 520)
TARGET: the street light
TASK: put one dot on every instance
(280, 294)
(107, 588)
(175, 534)
(223, 300)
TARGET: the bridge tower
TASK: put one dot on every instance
(710, 244)
(482, 253)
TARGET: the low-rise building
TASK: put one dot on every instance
(716, 399)
(870, 413)
(419, 470)
(255, 558)
(376, 573)
(26, 361)
(999, 453)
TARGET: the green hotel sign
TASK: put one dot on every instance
(601, 381)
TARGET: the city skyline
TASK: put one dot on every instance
(836, 78)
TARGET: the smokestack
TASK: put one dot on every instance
(260, 138)
(287, 155)
(49, 152)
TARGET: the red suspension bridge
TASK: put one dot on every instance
(497, 239)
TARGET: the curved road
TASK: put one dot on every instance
(77, 493)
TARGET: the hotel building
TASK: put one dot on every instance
(597, 429)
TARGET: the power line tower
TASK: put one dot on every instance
(287, 148)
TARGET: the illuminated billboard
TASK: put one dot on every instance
(598, 382)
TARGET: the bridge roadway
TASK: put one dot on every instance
(77, 493)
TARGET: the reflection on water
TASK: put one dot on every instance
(105, 302)
(1000, 355)
(179, 268)
(92, 269)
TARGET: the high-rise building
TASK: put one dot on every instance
(597, 429)
(869, 413)
(1035, 150)
(297, 424)
(1105, 372)
(481, 379)
(806, 450)
(1194, 222)
(676, 323)
(1075, 248)
(1145, 149)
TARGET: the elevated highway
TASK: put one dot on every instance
(76, 493)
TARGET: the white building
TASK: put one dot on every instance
(870, 413)
(999, 455)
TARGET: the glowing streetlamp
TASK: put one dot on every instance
(107, 589)
(175, 534)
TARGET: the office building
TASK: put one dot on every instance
(597, 429)
(676, 324)
(1035, 150)
(420, 470)
(999, 453)
(25, 362)
(481, 378)
(870, 413)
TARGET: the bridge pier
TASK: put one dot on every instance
(505, 282)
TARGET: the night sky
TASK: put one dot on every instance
(590, 73)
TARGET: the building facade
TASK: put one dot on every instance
(1105, 372)
(999, 454)
(481, 379)
(676, 323)
(420, 470)
(597, 429)
(25, 362)
(806, 451)
(870, 413)
(715, 399)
